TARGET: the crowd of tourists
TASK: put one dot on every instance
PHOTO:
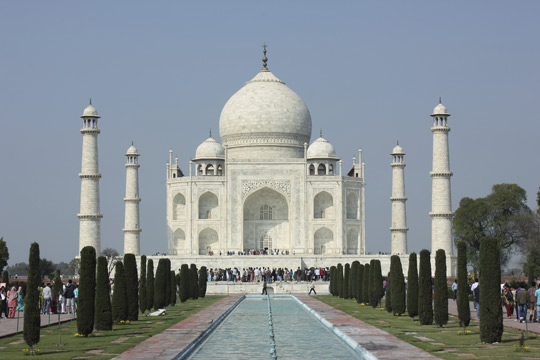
(13, 300)
(518, 301)
(261, 274)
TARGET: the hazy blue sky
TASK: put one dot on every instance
(159, 74)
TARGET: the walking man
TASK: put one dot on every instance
(522, 300)
(532, 301)
(47, 295)
(475, 288)
(264, 292)
(454, 289)
(312, 288)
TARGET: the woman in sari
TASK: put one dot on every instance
(12, 302)
(20, 300)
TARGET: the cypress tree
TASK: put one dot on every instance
(87, 291)
(491, 317)
(412, 286)
(365, 284)
(32, 319)
(440, 305)
(193, 282)
(203, 279)
(425, 306)
(173, 288)
(160, 286)
(132, 288)
(346, 281)
(360, 285)
(168, 288)
(333, 272)
(397, 284)
(184, 282)
(377, 284)
(354, 279)
(339, 281)
(119, 297)
(5, 278)
(142, 286)
(464, 312)
(371, 296)
(103, 313)
(388, 297)
(56, 288)
(150, 285)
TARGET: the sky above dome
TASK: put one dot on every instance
(159, 74)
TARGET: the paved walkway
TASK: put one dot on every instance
(509, 323)
(8, 327)
(171, 342)
(376, 341)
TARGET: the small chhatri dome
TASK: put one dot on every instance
(210, 149)
(321, 149)
(398, 150)
(440, 109)
(90, 111)
(132, 151)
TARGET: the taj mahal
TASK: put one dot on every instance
(264, 193)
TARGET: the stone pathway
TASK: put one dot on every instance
(378, 342)
(8, 327)
(171, 342)
(509, 323)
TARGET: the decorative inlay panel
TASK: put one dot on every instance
(249, 186)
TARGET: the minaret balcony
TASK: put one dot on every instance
(90, 176)
(441, 174)
(442, 215)
(137, 200)
(399, 229)
(134, 231)
(90, 131)
(89, 216)
(398, 198)
(440, 129)
(397, 164)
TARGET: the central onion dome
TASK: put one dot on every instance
(265, 119)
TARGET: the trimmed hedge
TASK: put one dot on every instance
(397, 284)
(193, 282)
(132, 291)
(86, 300)
(440, 305)
(412, 286)
(103, 311)
(339, 281)
(173, 288)
(150, 285)
(464, 311)
(142, 286)
(119, 297)
(346, 281)
(360, 284)
(388, 297)
(184, 282)
(32, 309)
(333, 275)
(377, 289)
(203, 279)
(366, 284)
(168, 288)
(353, 291)
(425, 300)
(160, 285)
(491, 316)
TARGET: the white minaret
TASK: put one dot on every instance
(132, 229)
(399, 216)
(89, 215)
(441, 206)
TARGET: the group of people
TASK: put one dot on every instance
(253, 252)
(259, 274)
(520, 300)
(12, 301)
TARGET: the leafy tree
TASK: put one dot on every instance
(5, 278)
(150, 285)
(377, 289)
(339, 281)
(4, 254)
(203, 278)
(32, 318)
(111, 255)
(142, 287)
(346, 281)
(464, 312)
(160, 285)
(360, 284)
(491, 318)
(132, 290)
(46, 268)
(425, 300)
(388, 300)
(103, 312)
(366, 284)
(397, 284)
(87, 292)
(440, 305)
(119, 297)
(412, 286)
(193, 282)
(495, 216)
(184, 282)
(353, 289)
(529, 225)
(18, 269)
(74, 266)
(173, 288)
(333, 274)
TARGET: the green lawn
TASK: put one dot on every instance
(111, 343)
(441, 342)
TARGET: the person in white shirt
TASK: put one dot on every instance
(47, 295)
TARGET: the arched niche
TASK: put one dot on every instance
(208, 241)
(179, 206)
(323, 206)
(208, 206)
(322, 239)
(352, 205)
(352, 241)
(179, 241)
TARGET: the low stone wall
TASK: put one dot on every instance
(291, 287)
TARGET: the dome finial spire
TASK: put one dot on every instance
(90, 101)
(210, 132)
(440, 100)
(321, 132)
(264, 58)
